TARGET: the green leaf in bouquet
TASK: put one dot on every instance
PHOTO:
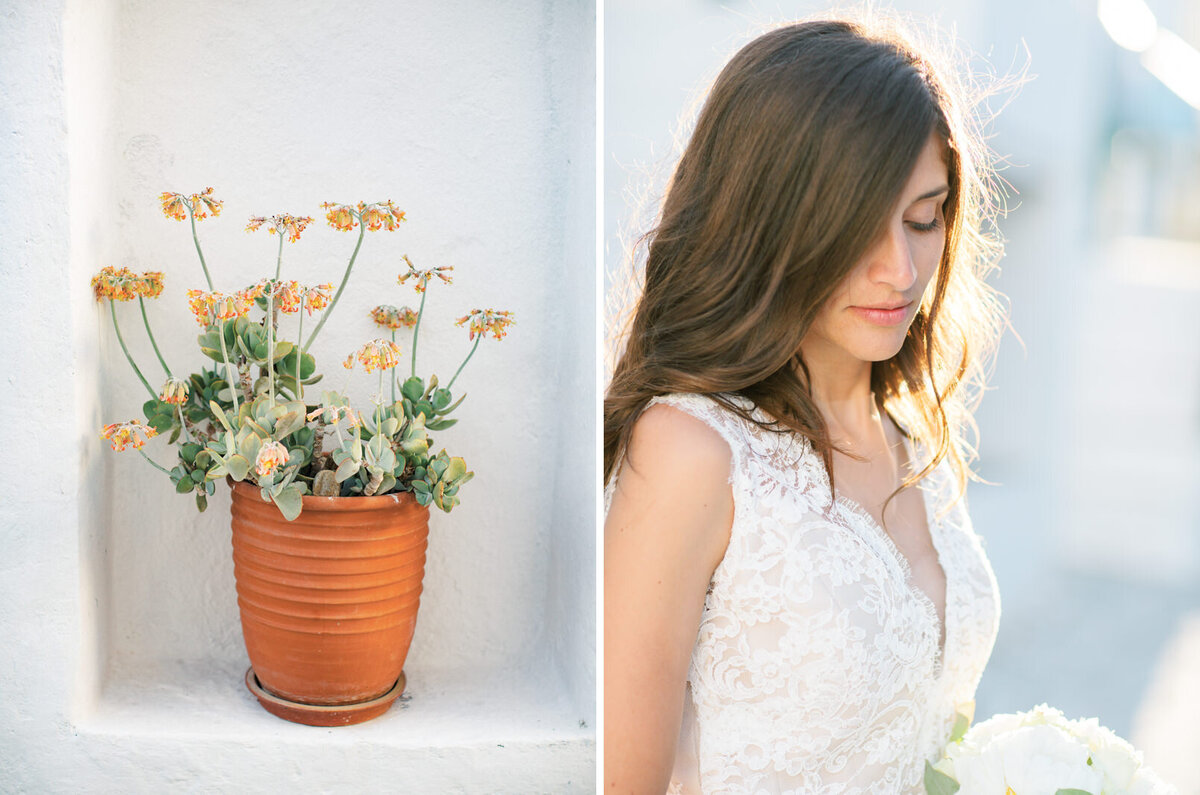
(201, 502)
(441, 425)
(184, 485)
(937, 782)
(961, 724)
(440, 399)
(282, 349)
(424, 407)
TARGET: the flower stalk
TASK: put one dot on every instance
(150, 334)
(132, 363)
(362, 230)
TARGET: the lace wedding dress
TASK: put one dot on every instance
(817, 667)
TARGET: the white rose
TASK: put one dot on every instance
(1031, 760)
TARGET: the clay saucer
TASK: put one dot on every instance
(320, 715)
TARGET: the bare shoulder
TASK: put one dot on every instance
(675, 482)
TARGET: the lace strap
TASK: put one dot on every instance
(715, 416)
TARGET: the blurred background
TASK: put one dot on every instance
(1091, 426)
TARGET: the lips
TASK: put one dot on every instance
(886, 307)
(883, 316)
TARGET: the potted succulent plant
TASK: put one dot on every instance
(330, 504)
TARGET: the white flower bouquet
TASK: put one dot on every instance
(1040, 752)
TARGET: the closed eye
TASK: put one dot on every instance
(929, 227)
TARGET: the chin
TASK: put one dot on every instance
(879, 349)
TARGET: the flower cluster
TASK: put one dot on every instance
(174, 391)
(485, 320)
(291, 225)
(291, 296)
(123, 434)
(388, 316)
(1042, 751)
(374, 216)
(423, 276)
(125, 285)
(380, 353)
(219, 306)
(177, 206)
(269, 457)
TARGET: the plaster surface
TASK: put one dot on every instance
(124, 670)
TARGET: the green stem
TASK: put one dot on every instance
(183, 423)
(269, 325)
(393, 377)
(153, 463)
(157, 352)
(228, 366)
(464, 364)
(379, 405)
(345, 278)
(279, 261)
(299, 336)
(417, 326)
(196, 240)
(120, 339)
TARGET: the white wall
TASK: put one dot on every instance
(478, 120)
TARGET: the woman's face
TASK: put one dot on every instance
(861, 320)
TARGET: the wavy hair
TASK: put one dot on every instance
(798, 155)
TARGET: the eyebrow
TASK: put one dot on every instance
(933, 193)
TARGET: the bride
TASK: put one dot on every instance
(795, 600)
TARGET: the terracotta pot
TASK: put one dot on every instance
(328, 601)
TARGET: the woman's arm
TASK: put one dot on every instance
(666, 531)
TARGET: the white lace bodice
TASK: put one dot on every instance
(817, 666)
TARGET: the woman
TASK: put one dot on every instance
(794, 597)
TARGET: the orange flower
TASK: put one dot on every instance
(390, 317)
(174, 391)
(270, 456)
(222, 306)
(375, 216)
(123, 434)
(381, 215)
(291, 225)
(149, 284)
(340, 216)
(423, 276)
(117, 285)
(378, 353)
(317, 298)
(177, 205)
(485, 320)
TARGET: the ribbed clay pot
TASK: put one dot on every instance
(328, 601)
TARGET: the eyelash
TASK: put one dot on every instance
(929, 227)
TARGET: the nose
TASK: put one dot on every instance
(890, 262)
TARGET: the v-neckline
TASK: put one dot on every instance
(941, 625)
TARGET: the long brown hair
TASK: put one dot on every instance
(798, 155)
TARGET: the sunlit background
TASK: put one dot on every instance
(1092, 426)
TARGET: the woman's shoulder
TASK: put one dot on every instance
(674, 486)
(683, 433)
